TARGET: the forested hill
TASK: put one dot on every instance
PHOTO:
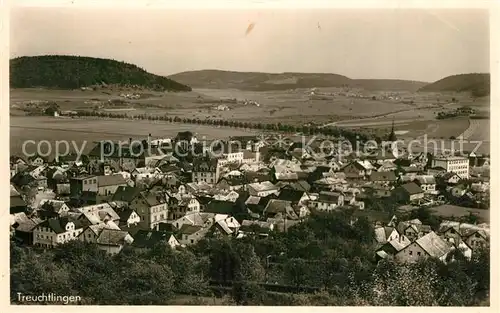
(478, 84)
(68, 72)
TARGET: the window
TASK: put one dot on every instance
(410, 252)
(418, 253)
(192, 241)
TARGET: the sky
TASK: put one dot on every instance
(413, 44)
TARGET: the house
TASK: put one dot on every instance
(54, 231)
(23, 228)
(430, 245)
(195, 219)
(98, 213)
(125, 194)
(113, 240)
(296, 197)
(17, 203)
(475, 238)
(412, 229)
(327, 201)
(230, 183)
(146, 239)
(408, 192)
(151, 208)
(181, 205)
(92, 231)
(455, 164)
(205, 170)
(384, 234)
(191, 234)
(356, 170)
(108, 184)
(391, 248)
(262, 189)
(259, 228)
(224, 225)
(83, 183)
(282, 207)
(219, 207)
(48, 208)
(450, 178)
(37, 160)
(129, 218)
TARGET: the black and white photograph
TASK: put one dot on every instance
(253, 156)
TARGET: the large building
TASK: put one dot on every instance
(205, 170)
(453, 164)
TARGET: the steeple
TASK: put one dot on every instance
(392, 135)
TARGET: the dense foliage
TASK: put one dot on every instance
(69, 72)
(478, 84)
(326, 260)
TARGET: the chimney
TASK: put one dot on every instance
(149, 140)
(130, 141)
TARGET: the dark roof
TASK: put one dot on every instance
(412, 188)
(58, 225)
(126, 193)
(383, 176)
(125, 214)
(22, 179)
(153, 199)
(189, 229)
(204, 165)
(329, 197)
(290, 195)
(277, 206)
(17, 202)
(110, 180)
(148, 238)
(219, 207)
(111, 237)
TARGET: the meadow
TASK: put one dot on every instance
(39, 128)
(413, 118)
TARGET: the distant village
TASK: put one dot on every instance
(243, 187)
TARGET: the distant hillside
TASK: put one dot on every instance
(478, 84)
(270, 81)
(69, 72)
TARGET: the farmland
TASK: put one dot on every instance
(414, 114)
(90, 130)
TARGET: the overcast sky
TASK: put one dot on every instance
(422, 45)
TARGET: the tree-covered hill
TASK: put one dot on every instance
(478, 84)
(69, 72)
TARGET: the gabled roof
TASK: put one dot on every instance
(400, 243)
(152, 199)
(126, 193)
(383, 176)
(110, 180)
(148, 238)
(112, 237)
(434, 245)
(125, 214)
(190, 229)
(412, 188)
(58, 225)
(219, 207)
(328, 197)
(277, 206)
(290, 195)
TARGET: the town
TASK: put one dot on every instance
(177, 192)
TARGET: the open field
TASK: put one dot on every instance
(412, 119)
(292, 106)
(448, 211)
(89, 130)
